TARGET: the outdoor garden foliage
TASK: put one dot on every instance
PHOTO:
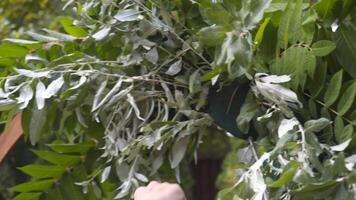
(121, 89)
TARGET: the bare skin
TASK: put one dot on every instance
(159, 191)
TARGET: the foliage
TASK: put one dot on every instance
(18, 15)
(124, 89)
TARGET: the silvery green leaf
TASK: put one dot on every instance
(175, 68)
(60, 36)
(40, 37)
(316, 125)
(156, 163)
(81, 82)
(286, 125)
(32, 74)
(105, 174)
(342, 146)
(257, 184)
(272, 78)
(7, 104)
(122, 171)
(128, 15)
(141, 177)
(245, 155)
(26, 94)
(252, 12)
(177, 173)
(30, 57)
(54, 87)
(178, 151)
(101, 34)
(124, 189)
(278, 94)
(98, 95)
(132, 101)
(80, 117)
(152, 55)
(168, 92)
(40, 95)
(194, 82)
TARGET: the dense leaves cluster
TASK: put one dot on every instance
(123, 89)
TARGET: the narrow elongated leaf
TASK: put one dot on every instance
(105, 174)
(128, 15)
(58, 159)
(194, 82)
(81, 148)
(34, 186)
(347, 99)
(43, 171)
(40, 95)
(261, 30)
(37, 123)
(60, 36)
(112, 92)
(40, 37)
(178, 151)
(98, 95)
(101, 34)
(54, 87)
(28, 196)
(26, 94)
(25, 43)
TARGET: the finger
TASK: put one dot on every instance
(140, 192)
(152, 184)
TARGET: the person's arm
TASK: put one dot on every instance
(159, 191)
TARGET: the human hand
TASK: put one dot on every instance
(159, 191)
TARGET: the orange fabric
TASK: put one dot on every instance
(10, 136)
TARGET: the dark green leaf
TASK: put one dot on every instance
(82, 148)
(347, 99)
(212, 35)
(323, 47)
(58, 159)
(37, 123)
(345, 38)
(346, 134)
(333, 91)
